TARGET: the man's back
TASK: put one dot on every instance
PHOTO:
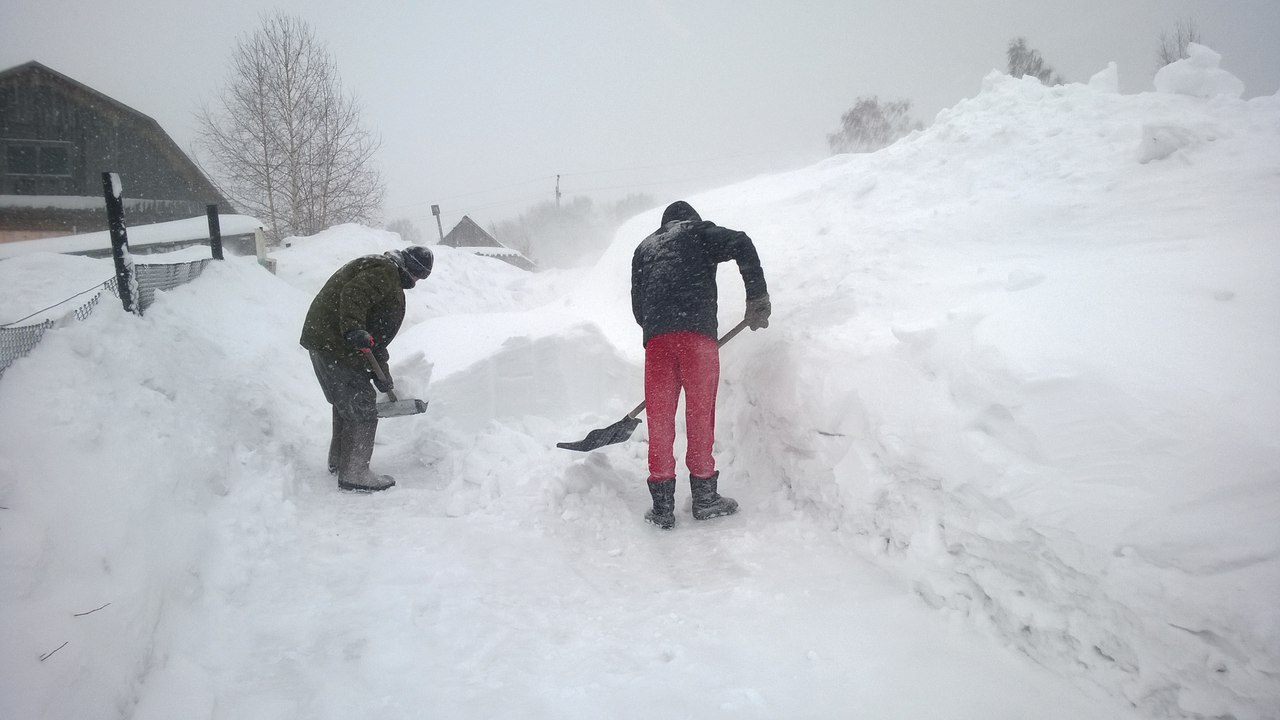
(673, 275)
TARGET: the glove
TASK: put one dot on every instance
(758, 310)
(358, 339)
(383, 387)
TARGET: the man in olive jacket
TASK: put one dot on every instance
(357, 313)
(674, 300)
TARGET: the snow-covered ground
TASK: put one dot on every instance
(1009, 449)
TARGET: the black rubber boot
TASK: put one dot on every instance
(663, 512)
(353, 472)
(707, 503)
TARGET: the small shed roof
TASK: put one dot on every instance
(195, 228)
(469, 236)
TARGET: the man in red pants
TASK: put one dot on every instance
(673, 297)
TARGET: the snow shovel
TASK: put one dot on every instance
(392, 407)
(621, 430)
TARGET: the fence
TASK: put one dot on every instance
(16, 342)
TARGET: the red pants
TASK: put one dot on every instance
(673, 361)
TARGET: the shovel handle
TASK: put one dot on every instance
(732, 333)
(377, 371)
(719, 343)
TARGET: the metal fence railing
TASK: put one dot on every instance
(17, 341)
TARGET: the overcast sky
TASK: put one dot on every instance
(481, 103)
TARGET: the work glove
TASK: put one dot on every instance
(758, 312)
(358, 339)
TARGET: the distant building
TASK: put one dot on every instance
(57, 137)
(467, 235)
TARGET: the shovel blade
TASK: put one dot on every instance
(400, 408)
(615, 433)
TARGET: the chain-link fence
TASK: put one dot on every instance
(164, 277)
(16, 342)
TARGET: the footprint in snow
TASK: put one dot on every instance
(1023, 278)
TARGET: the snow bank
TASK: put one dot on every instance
(1023, 366)
(1030, 359)
(112, 459)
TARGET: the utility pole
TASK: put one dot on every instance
(557, 192)
(435, 210)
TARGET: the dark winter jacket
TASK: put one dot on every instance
(673, 273)
(366, 293)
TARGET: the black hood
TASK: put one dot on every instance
(679, 211)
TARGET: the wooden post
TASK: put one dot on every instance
(215, 232)
(126, 281)
(260, 246)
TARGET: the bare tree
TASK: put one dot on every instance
(284, 141)
(1025, 61)
(1173, 47)
(407, 231)
(870, 125)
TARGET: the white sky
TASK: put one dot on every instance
(480, 104)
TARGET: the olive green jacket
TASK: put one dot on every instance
(363, 294)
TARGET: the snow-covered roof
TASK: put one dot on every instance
(195, 228)
(492, 251)
(505, 254)
(79, 202)
(60, 202)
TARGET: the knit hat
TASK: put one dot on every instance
(418, 261)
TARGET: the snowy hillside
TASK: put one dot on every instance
(1010, 448)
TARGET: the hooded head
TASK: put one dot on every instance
(415, 263)
(679, 211)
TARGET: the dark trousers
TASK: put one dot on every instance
(355, 418)
(349, 391)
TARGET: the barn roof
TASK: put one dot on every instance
(35, 67)
(177, 158)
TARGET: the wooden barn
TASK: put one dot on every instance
(467, 235)
(57, 137)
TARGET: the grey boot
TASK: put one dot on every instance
(707, 503)
(353, 470)
(663, 512)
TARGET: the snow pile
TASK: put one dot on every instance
(1020, 360)
(1198, 75)
(121, 435)
(112, 459)
(1106, 80)
(1039, 369)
